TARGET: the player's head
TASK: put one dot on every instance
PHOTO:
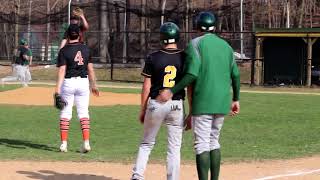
(206, 22)
(74, 19)
(73, 31)
(169, 33)
(23, 42)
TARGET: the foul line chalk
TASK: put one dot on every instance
(288, 175)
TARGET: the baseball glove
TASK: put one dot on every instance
(78, 12)
(59, 102)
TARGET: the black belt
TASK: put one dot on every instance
(69, 77)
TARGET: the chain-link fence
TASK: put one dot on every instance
(120, 35)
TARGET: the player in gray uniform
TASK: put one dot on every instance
(20, 65)
(162, 69)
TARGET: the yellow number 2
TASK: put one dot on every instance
(168, 81)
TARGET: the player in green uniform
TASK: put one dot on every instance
(210, 69)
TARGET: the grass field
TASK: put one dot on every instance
(104, 74)
(270, 126)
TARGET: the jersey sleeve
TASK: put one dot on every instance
(61, 59)
(235, 77)
(147, 70)
(29, 52)
(193, 59)
(82, 28)
(65, 35)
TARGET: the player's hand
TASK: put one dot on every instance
(164, 95)
(95, 91)
(235, 108)
(188, 123)
(141, 116)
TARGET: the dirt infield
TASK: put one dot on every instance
(41, 96)
(299, 169)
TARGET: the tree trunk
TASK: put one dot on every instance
(187, 37)
(104, 54)
(6, 40)
(48, 32)
(302, 7)
(143, 29)
(17, 12)
(269, 14)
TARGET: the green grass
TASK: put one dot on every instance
(124, 74)
(270, 126)
(9, 87)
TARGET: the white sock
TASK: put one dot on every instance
(86, 142)
(64, 142)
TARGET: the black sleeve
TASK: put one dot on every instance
(61, 59)
(147, 70)
(82, 28)
(65, 35)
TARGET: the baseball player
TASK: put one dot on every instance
(20, 64)
(162, 69)
(75, 78)
(210, 70)
(76, 18)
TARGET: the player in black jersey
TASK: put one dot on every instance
(163, 69)
(75, 78)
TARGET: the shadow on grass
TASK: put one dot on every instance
(49, 175)
(22, 144)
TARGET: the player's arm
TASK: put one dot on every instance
(189, 96)
(144, 97)
(61, 64)
(29, 54)
(60, 77)
(63, 43)
(191, 69)
(146, 73)
(235, 78)
(85, 24)
(92, 80)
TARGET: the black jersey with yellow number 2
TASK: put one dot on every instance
(165, 68)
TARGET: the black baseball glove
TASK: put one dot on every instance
(59, 102)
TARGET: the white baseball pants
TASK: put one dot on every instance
(75, 90)
(206, 129)
(171, 113)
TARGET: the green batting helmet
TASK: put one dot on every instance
(169, 33)
(206, 21)
(23, 42)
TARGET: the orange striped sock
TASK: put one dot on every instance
(64, 128)
(85, 126)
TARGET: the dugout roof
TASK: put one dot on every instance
(288, 32)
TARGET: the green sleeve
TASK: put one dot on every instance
(184, 82)
(192, 61)
(235, 77)
(29, 52)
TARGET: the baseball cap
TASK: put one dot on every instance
(73, 30)
(23, 42)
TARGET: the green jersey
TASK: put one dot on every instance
(21, 51)
(211, 60)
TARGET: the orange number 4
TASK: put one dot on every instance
(79, 58)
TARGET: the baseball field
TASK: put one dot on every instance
(276, 136)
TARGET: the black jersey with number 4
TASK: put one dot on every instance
(165, 68)
(76, 57)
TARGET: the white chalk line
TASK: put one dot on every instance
(289, 175)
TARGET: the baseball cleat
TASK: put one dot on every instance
(85, 148)
(63, 147)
